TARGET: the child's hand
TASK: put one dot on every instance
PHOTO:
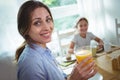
(100, 45)
(68, 56)
(71, 51)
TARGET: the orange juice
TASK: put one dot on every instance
(82, 54)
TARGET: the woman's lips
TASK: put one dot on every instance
(45, 35)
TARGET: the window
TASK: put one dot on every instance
(65, 22)
(55, 3)
(65, 14)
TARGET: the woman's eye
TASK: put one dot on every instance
(37, 23)
(49, 20)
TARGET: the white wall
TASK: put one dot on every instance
(101, 15)
(111, 12)
(10, 38)
(94, 11)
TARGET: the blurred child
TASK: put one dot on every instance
(83, 38)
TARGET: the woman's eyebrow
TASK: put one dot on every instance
(36, 19)
(48, 16)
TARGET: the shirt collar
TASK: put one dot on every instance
(40, 49)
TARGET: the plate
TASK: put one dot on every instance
(73, 59)
(100, 50)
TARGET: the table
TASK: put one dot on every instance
(104, 66)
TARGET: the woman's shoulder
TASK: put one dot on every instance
(30, 64)
(29, 56)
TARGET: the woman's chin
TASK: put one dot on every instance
(47, 41)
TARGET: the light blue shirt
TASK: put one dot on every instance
(38, 64)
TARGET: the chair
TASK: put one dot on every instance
(8, 69)
(60, 41)
(117, 25)
(64, 39)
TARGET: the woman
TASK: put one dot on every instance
(83, 38)
(35, 62)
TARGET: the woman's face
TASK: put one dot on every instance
(41, 26)
(83, 27)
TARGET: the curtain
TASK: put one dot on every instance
(100, 15)
(10, 38)
(93, 10)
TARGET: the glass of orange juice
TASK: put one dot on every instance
(82, 53)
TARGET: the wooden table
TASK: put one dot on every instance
(104, 67)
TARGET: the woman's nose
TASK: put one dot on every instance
(46, 26)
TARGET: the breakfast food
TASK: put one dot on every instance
(115, 59)
(115, 64)
(119, 62)
(68, 56)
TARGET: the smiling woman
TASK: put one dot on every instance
(40, 32)
(35, 24)
(36, 29)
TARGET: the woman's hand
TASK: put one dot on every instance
(83, 71)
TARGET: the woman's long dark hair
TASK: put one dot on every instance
(24, 22)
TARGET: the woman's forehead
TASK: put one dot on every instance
(40, 12)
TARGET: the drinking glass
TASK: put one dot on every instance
(82, 53)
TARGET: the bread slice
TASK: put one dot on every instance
(115, 58)
(119, 62)
(115, 64)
